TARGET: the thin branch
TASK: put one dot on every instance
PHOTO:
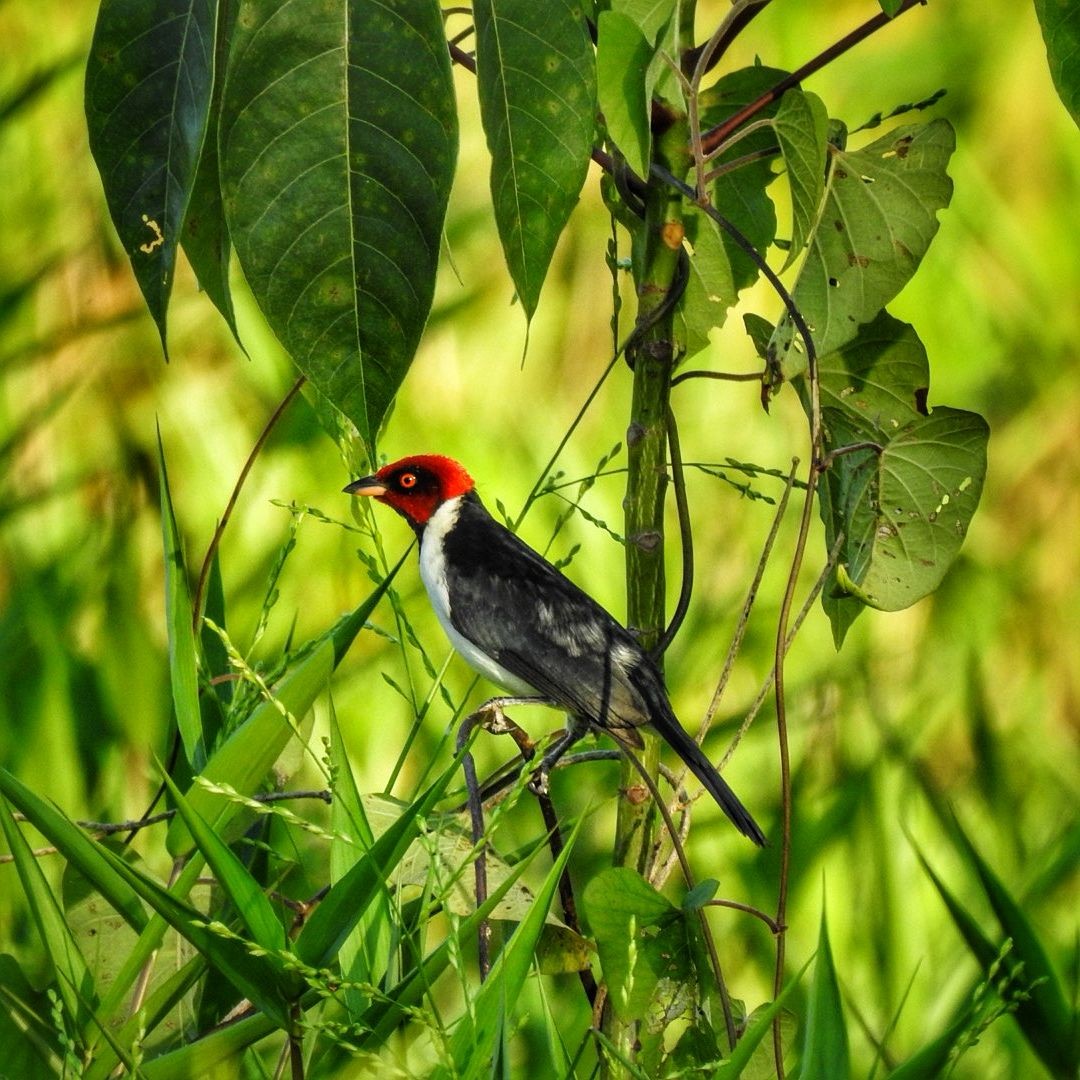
(726, 376)
(711, 139)
(734, 23)
(204, 573)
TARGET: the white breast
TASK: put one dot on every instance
(433, 575)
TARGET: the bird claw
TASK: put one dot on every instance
(496, 721)
(538, 782)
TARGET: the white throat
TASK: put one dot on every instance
(433, 575)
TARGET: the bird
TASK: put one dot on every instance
(525, 626)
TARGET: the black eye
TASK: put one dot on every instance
(407, 480)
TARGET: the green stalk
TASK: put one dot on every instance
(652, 356)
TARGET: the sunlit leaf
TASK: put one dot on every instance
(537, 84)
(876, 223)
(640, 935)
(710, 288)
(261, 978)
(622, 66)
(1060, 22)
(149, 78)
(338, 144)
(825, 1041)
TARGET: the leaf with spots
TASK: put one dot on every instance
(904, 503)
(536, 80)
(876, 223)
(149, 79)
(338, 144)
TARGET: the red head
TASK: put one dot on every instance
(415, 486)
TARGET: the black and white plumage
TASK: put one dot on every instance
(525, 626)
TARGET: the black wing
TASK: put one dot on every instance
(536, 623)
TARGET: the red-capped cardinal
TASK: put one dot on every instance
(526, 627)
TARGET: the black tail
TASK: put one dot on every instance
(676, 737)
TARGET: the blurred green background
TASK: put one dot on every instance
(971, 700)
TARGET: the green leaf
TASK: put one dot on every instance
(261, 978)
(205, 238)
(622, 66)
(365, 951)
(27, 1034)
(1060, 23)
(1043, 1013)
(73, 981)
(79, 850)
(710, 289)
(904, 509)
(876, 223)
(183, 664)
(473, 1046)
(148, 85)
(338, 143)
(740, 194)
(909, 507)
(640, 936)
(891, 7)
(930, 1061)
(254, 908)
(244, 759)
(347, 901)
(758, 1027)
(825, 1043)
(537, 85)
(802, 124)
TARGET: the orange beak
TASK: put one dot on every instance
(366, 485)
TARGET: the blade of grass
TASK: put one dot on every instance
(183, 661)
(251, 903)
(73, 979)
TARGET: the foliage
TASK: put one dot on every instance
(323, 150)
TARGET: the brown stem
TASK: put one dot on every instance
(714, 137)
(204, 573)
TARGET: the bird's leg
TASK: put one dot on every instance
(576, 727)
(491, 717)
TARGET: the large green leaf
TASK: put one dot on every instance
(537, 84)
(710, 287)
(338, 139)
(904, 504)
(640, 935)
(149, 78)
(260, 977)
(1060, 22)
(877, 220)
